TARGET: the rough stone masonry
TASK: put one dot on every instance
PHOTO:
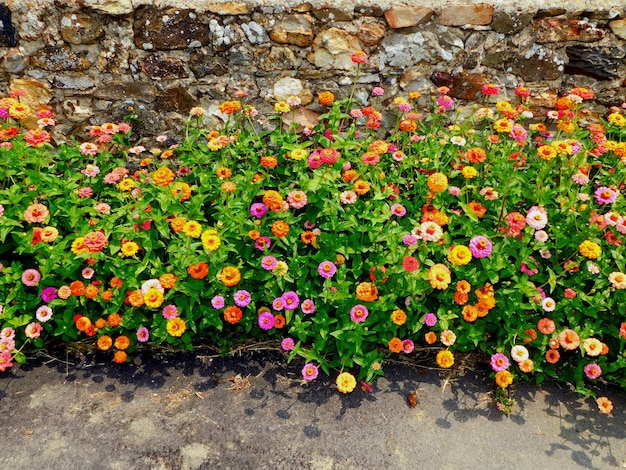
(90, 60)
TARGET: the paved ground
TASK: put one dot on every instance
(186, 411)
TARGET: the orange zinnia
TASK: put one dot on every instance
(198, 270)
(119, 357)
(168, 280)
(230, 276)
(326, 98)
(77, 288)
(279, 321)
(273, 200)
(135, 298)
(107, 295)
(104, 343)
(101, 323)
(114, 319)
(83, 324)
(280, 228)
(163, 176)
(470, 314)
(116, 282)
(395, 345)
(232, 314)
(366, 291)
(91, 291)
(122, 342)
(430, 337)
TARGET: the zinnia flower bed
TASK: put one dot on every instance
(500, 232)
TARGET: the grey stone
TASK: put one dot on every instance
(15, 62)
(203, 65)
(123, 90)
(176, 99)
(70, 82)
(57, 59)
(506, 22)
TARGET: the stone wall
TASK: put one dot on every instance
(90, 60)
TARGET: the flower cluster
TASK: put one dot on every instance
(502, 233)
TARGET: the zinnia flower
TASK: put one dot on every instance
(287, 344)
(590, 249)
(266, 321)
(345, 382)
(617, 280)
(592, 346)
(447, 337)
(230, 276)
(326, 269)
(358, 313)
(410, 264)
(31, 277)
(504, 378)
(430, 319)
(309, 371)
(604, 405)
(143, 334)
(36, 213)
(307, 306)
(439, 276)
(569, 339)
(445, 359)
(499, 362)
(519, 353)
(460, 255)
(398, 317)
(592, 371)
(44, 313)
(480, 247)
(176, 326)
(605, 195)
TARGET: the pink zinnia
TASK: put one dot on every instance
(327, 269)
(291, 300)
(268, 263)
(170, 311)
(378, 91)
(242, 298)
(430, 319)
(287, 344)
(87, 148)
(143, 334)
(398, 209)
(593, 371)
(49, 294)
(309, 372)
(409, 240)
(88, 273)
(308, 306)
(499, 362)
(33, 330)
(44, 313)
(278, 304)
(262, 243)
(480, 247)
(91, 171)
(580, 178)
(5, 361)
(266, 321)
(537, 217)
(605, 195)
(297, 199)
(407, 346)
(358, 313)
(31, 277)
(258, 209)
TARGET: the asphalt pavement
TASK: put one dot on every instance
(253, 411)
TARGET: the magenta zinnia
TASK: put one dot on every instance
(480, 247)
(358, 313)
(326, 269)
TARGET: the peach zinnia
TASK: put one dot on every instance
(569, 339)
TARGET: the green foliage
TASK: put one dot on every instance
(489, 223)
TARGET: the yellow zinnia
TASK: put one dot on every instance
(590, 249)
(78, 246)
(346, 382)
(130, 248)
(192, 229)
(460, 255)
(504, 378)
(437, 182)
(126, 184)
(469, 172)
(439, 276)
(153, 298)
(210, 240)
(176, 326)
